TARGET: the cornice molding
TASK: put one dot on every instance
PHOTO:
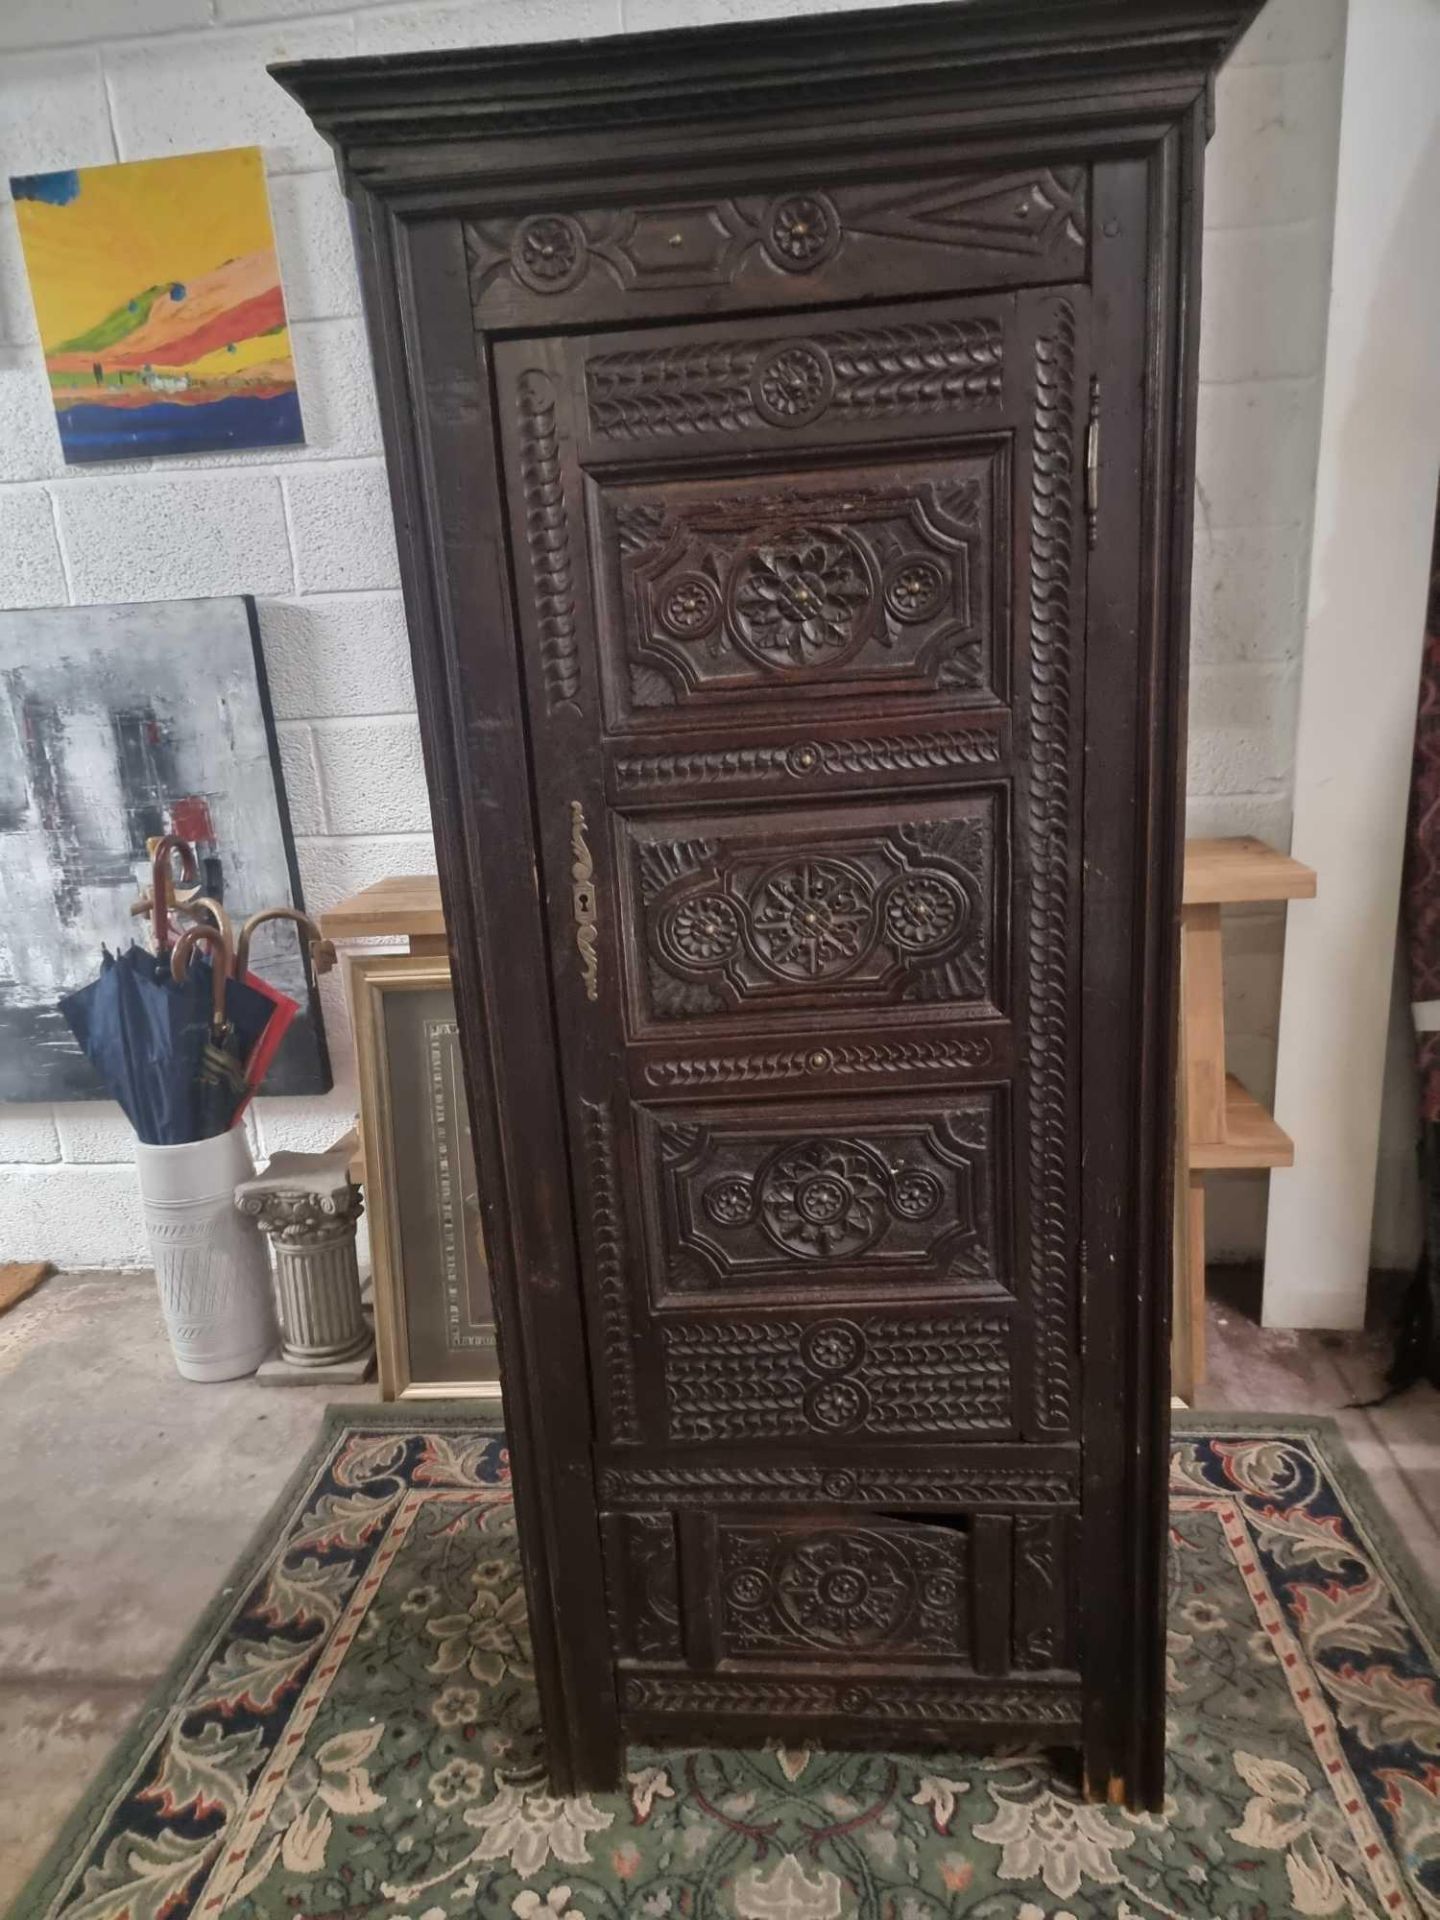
(375, 111)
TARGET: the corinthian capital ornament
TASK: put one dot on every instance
(308, 1208)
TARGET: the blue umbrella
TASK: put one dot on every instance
(158, 1047)
(239, 1014)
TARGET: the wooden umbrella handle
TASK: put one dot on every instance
(219, 918)
(219, 964)
(163, 850)
(322, 951)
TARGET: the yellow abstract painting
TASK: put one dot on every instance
(157, 294)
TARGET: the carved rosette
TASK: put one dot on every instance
(792, 384)
(802, 231)
(853, 1590)
(548, 253)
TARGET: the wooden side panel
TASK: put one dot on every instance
(441, 451)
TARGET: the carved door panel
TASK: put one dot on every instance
(762, 1591)
(801, 602)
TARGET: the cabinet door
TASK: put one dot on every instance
(802, 615)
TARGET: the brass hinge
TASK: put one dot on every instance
(584, 903)
(1092, 462)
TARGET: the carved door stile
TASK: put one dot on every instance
(1050, 563)
(560, 672)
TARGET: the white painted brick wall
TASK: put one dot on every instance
(1269, 212)
(308, 530)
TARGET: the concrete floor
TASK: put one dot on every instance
(1257, 1369)
(130, 1492)
(128, 1496)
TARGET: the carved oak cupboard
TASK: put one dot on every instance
(790, 436)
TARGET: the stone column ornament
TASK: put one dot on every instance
(307, 1206)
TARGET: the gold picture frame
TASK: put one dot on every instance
(419, 1182)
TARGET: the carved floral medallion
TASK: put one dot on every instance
(802, 597)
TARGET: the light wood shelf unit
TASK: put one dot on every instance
(1252, 1141)
(1222, 1127)
(406, 906)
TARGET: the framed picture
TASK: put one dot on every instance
(434, 1323)
(158, 300)
(118, 723)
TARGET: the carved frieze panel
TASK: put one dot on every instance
(763, 1200)
(872, 581)
(976, 1481)
(745, 384)
(752, 917)
(928, 752)
(803, 242)
(854, 1591)
(782, 1701)
(959, 1053)
(789, 1379)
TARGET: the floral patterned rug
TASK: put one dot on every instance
(352, 1732)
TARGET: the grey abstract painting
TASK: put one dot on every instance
(118, 723)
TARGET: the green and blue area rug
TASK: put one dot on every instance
(352, 1732)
